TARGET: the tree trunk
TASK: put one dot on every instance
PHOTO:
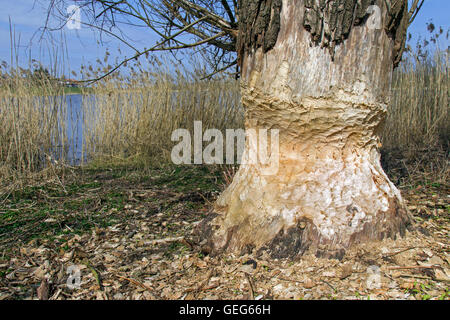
(319, 72)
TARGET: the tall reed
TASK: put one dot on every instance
(135, 116)
(131, 114)
(33, 127)
(418, 114)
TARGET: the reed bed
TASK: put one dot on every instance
(32, 126)
(135, 118)
(416, 133)
(130, 115)
(418, 114)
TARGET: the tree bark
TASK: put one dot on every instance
(324, 84)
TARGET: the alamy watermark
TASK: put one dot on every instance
(374, 20)
(374, 277)
(74, 20)
(259, 152)
(74, 279)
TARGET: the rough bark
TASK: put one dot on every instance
(329, 191)
(259, 24)
(328, 21)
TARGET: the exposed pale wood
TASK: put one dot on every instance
(329, 190)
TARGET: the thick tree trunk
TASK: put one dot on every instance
(327, 96)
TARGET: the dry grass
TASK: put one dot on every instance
(135, 119)
(417, 129)
(130, 116)
(33, 130)
(418, 114)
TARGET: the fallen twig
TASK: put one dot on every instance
(203, 284)
(332, 288)
(135, 282)
(290, 280)
(398, 252)
(165, 240)
(425, 278)
(250, 283)
(413, 267)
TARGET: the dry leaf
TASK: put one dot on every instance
(308, 284)
(42, 291)
(346, 271)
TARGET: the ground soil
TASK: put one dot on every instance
(128, 232)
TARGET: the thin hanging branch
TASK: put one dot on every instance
(209, 26)
(180, 24)
(415, 8)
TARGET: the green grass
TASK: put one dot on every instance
(97, 197)
(50, 210)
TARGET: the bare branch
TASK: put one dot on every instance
(209, 26)
(229, 12)
(415, 8)
(199, 11)
(154, 48)
(209, 76)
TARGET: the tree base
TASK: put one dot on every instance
(325, 191)
(323, 206)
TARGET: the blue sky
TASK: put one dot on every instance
(84, 46)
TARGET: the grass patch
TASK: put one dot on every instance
(187, 178)
(99, 197)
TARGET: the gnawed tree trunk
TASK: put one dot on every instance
(320, 73)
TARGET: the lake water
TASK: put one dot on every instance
(76, 119)
(74, 128)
